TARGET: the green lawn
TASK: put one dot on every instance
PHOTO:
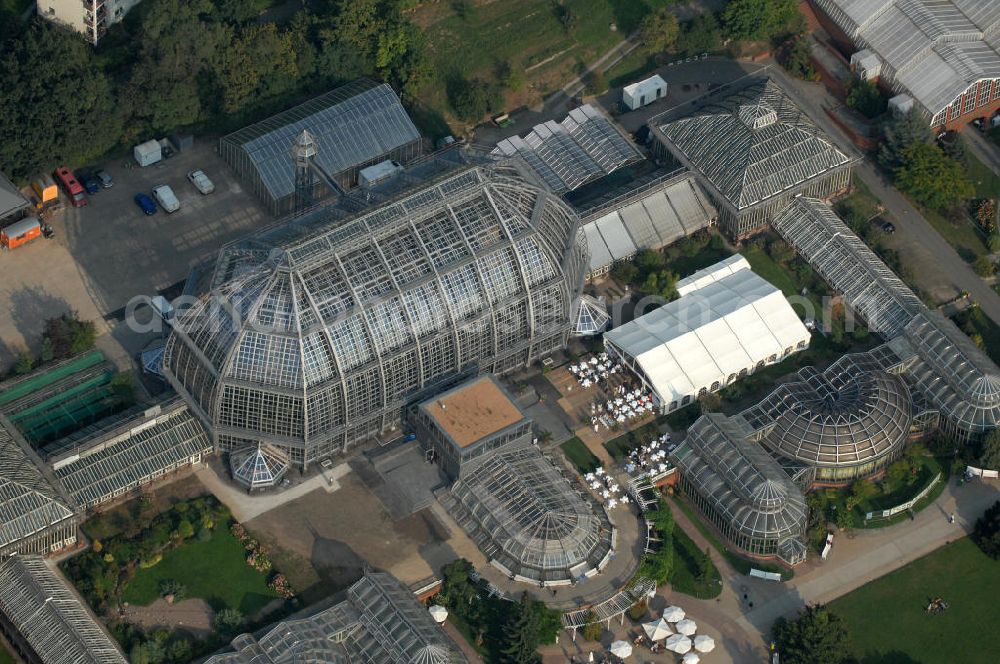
(974, 321)
(580, 456)
(986, 182)
(684, 576)
(887, 619)
(215, 571)
(961, 235)
(5, 657)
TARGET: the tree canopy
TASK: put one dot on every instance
(900, 133)
(865, 98)
(931, 177)
(179, 63)
(815, 635)
(986, 534)
(758, 19)
(989, 453)
(659, 30)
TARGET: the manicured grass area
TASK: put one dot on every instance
(974, 321)
(685, 576)
(215, 571)
(887, 618)
(986, 182)
(580, 456)
(739, 563)
(5, 657)
(962, 235)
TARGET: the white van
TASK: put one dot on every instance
(164, 195)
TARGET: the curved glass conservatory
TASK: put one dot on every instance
(529, 521)
(317, 345)
(846, 426)
(742, 489)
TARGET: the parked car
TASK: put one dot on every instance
(89, 182)
(201, 182)
(164, 195)
(145, 203)
(105, 178)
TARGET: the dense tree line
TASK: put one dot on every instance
(181, 63)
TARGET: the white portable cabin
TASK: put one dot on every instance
(147, 153)
(637, 95)
(372, 175)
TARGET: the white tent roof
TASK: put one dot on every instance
(658, 629)
(707, 335)
(712, 273)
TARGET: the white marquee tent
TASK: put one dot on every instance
(726, 328)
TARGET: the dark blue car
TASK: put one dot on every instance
(89, 182)
(145, 203)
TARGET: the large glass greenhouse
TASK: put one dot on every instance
(316, 345)
(742, 489)
(754, 150)
(354, 126)
(529, 521)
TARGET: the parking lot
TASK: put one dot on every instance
(109, 251)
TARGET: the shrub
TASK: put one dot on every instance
(204, 535)
(592, 630)
(984, 267)
(638, 610)
(150, 561)
(69, 335)
(228, 620)
(185, 530)
(172, 588)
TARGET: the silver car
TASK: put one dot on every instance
(201, 182)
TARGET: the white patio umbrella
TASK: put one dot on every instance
(621, 649)
(438, 613)
(673, 613)
(658, 629)
(686, 627)
(704, 643)
(691, 658)
(678, 643)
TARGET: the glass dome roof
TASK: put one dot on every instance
(849, 420)
(526, 516)
(258, 467)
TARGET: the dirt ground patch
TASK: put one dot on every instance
(323, 541)
(192, 615)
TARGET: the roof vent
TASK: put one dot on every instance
(757, 116)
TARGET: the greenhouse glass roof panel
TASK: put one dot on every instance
(351, 125)
(750, 163)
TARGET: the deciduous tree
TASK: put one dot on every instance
(816, 635)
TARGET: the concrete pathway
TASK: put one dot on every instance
(245, 506)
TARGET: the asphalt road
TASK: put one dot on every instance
(811, 97)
